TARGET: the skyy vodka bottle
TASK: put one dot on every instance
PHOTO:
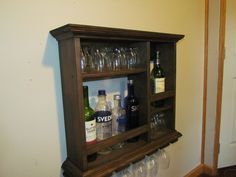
(132, 109)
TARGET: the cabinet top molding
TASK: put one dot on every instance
(96, 32)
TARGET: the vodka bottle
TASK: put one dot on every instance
(118, 117)
(103, 117)
(118, 120)
(132, 109)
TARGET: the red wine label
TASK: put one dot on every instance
(90, 131)
(103, 124)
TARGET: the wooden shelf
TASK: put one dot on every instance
(124, 157)
(161, 96)
(161, 109)
(116, 139)
(111, 74)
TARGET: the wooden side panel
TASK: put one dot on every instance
(72, 99)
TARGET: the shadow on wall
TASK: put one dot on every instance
(51, 59)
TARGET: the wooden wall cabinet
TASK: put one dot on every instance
(70, 39)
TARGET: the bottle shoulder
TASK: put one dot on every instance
(130, 100)
(157, 72)
(102, 106)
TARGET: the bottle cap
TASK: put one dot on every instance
(101, 92)
(85, 87)
(131, 82)
(117, 97)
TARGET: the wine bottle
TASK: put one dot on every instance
(90, 123)
(158, 76)
(132, 109)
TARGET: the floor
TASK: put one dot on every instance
(224, 172)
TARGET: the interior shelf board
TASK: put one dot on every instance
(116, 139)
(160, 109)
(163, 95)
(111, 74)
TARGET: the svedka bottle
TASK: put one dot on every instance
(103, 119)
(132, 109)
(158, 76)
(90, 123)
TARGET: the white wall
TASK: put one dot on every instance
(32, 139)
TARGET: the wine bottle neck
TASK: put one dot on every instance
(157, 62)
(86, 99)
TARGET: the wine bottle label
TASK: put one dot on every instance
(90, 131)
(159, 85)
(103, 124)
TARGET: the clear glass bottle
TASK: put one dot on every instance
(118, 116)
(132, 109)
(118, 120)
(158, 76)
(103, 119)
(90, 123)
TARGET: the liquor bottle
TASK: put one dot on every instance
(132, 109)
(118, 119)
(118, 116)
(158, 76)
(90, 123)
(103, 119)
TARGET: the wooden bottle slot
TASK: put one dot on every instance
(163, 95)
(116, 139)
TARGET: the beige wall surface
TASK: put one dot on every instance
(32, 139)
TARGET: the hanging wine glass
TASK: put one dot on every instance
(151, 166)
(98, 60)
(139, 169)
(163, 159)
(83, 61)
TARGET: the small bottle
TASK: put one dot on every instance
(118, 117)
(118, 120)
(132, 109)
(158, 76)
(103, 120)
(90, 123)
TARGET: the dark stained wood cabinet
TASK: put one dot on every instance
(70, 39)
